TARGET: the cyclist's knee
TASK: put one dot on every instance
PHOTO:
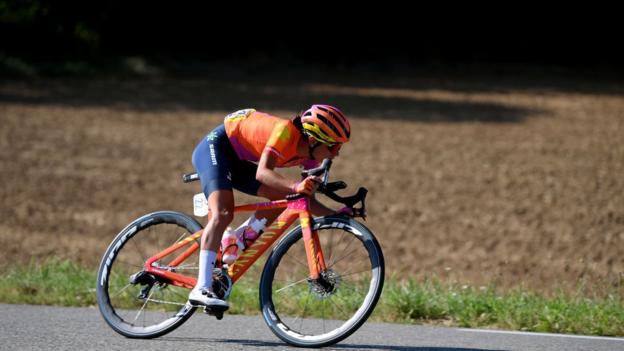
(222, 218)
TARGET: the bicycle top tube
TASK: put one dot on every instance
(261, 206)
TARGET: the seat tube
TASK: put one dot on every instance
(316, 261)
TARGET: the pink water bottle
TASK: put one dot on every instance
(253, 231)
(231, 246)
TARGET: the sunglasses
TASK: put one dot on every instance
(332, 147)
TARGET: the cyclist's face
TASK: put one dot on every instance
(334, 149)
(324, 151)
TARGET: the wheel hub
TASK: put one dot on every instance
(326, 285)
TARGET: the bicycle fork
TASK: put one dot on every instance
(314, 254)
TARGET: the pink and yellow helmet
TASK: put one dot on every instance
(326, 124)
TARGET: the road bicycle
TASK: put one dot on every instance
(320, 283)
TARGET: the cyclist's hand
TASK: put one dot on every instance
(306, 186)
(346, 211)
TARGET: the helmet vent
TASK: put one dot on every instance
(330, 125)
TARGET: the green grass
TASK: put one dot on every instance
(464, 306)
(67, 284)
(55, 282)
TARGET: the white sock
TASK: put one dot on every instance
(206, 264)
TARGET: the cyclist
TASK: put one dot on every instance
(242, 153)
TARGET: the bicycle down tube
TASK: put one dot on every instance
(294, 209)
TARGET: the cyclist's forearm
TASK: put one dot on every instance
(274, 180)
(267, 176)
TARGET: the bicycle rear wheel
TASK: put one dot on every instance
(134, 303)
(309, 313)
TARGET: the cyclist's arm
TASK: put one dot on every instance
(317, 208)
(267, 176)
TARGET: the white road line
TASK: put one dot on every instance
(589, 337)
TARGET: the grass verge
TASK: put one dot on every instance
(483, 307)
(67, 284)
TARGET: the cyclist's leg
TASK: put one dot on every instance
(212, 163)
(244, 179)
(221, 204)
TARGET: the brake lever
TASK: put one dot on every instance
(329, 189)
(359, 212)
(349, 201)
(362, 210)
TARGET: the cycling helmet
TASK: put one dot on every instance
(326, 124)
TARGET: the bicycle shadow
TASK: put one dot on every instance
(341, 346)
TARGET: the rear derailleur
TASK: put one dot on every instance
(148, 280)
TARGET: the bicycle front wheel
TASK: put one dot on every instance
(319, 313)
(134, 303)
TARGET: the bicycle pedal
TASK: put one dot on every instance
(215, 311)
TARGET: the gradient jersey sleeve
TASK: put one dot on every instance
(251, 133)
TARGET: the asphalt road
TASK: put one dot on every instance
(59, 328)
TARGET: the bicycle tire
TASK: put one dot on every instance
(113, 312)
(287, 331)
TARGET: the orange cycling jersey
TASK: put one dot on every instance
(251, 133)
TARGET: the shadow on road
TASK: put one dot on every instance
(340, 346)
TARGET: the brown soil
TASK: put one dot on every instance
(508, 180)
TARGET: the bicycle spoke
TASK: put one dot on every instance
(353, 273)
(343, 257)
(331, 246)
(166, 302)
(351, 288)
(177, 293)
(359, 263)
(339, 302)
(296, 260)
(143, 307)
(120, 291)
(145, 314)
(323, 315)
(343, 250)
(305, 309)
(143, 256)
(291, 285)
(282, 280)
(128, 264)
(339, 308)
(342, 299)
(164, 306)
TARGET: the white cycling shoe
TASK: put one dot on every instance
(206, 298)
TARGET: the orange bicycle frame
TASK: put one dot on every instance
(294, 209)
